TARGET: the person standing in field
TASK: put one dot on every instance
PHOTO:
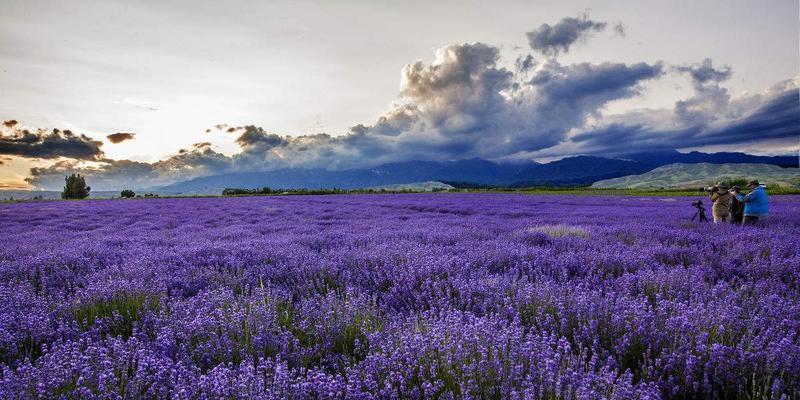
(755, 203)
(737, 205)
(721, 203)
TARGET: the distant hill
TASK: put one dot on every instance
(472, 170)
(577, 171)
(415, 187)
(703, 174)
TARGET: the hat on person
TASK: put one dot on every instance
(736, 189)
(754, 182)
(722, 185)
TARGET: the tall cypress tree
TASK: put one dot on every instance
(75, 187)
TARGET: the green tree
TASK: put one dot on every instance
(75, 187)
(127, 194)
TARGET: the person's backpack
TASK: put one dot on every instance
(736, 209)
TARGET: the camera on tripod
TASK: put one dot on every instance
(701, 211)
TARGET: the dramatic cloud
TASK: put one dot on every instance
(769, 116)
(120, 137)
(49, 144)
(108, 174)
(581, 89)
(777, 118)
(710, 100)
(551, 40)
(464, 105)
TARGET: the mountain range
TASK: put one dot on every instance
(570, 171)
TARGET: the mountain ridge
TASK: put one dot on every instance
(580, 170)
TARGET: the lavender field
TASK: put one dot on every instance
(444, 296)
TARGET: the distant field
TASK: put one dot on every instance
(397, 296)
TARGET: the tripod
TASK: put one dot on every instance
(701, 212)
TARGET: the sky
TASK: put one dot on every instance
(153, 92)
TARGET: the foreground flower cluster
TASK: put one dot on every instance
(397, 296)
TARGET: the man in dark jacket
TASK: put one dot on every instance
(737, 205)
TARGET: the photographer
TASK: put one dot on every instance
(755, 203)
(721, 200)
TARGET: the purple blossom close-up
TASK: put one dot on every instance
(401, 296)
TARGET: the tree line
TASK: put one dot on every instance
(75, 187)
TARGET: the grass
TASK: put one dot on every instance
(560, 230)
(121, 312)
(27, 348)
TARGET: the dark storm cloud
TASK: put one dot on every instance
(559, 98)
(256, 138)
(551, 40)
(610, 137)
(525, 64)
(705, 72)
(777, 118)
(595, 84)
(49, 144)
(120, 137)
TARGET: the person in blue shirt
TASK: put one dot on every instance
(755, 203)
